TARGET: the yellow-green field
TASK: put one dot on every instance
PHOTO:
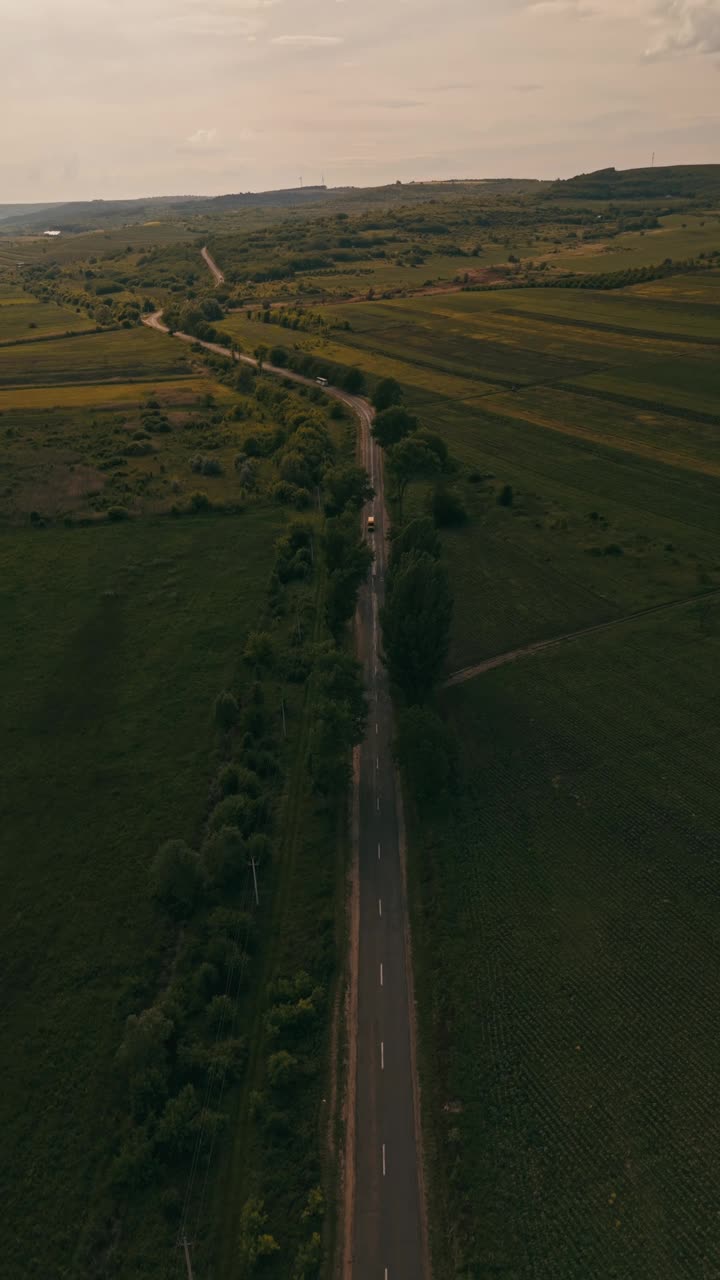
(23, 318)
(680, 237)
(77, 451)
(102, 357)
(343, 349)
(109, 395)
(436, 269)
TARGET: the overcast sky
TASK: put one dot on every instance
(139, 97)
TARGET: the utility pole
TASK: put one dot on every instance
(652, 166)
(254, 871)
(186, 1246)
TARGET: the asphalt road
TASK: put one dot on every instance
(388, 1242)
(385, 1236)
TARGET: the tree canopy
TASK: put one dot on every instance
(416, 624)
(392, 425)
(176, 877)
(411, 459)
(416, 535)
(348, 559)
(339, 719)
(387, 393)
(346, 487)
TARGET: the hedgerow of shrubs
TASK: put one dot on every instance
(178, 1054)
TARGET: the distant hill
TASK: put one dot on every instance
(92, 215)
(680, 182)
(701, 181)
(83, 215)
(20, 210)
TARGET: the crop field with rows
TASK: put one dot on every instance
(594, 532)
(607, 436)
(566, 929)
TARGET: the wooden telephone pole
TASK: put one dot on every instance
(185, 1245)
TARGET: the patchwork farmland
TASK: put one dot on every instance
(177, 659)
(563, 901)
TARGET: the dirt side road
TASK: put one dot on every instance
(212, 264)
(489, 664)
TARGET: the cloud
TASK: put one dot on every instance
(527, 88)
(450, 87)
(395, 104)
(561, 9)
(202, 140)
(685, 26)
(307, 42)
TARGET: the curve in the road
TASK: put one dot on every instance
(385, 1232)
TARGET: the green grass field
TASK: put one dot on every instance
(609, 441)
(78, 455)
(699, 290)
(679, 237)
(102, 357)
(538, 568)
(22, 318)
(436, 269)
(109, 395)
(115, 642)
(563, 900)
(566, 935)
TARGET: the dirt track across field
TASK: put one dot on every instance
(489, 664)
(212, 264)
